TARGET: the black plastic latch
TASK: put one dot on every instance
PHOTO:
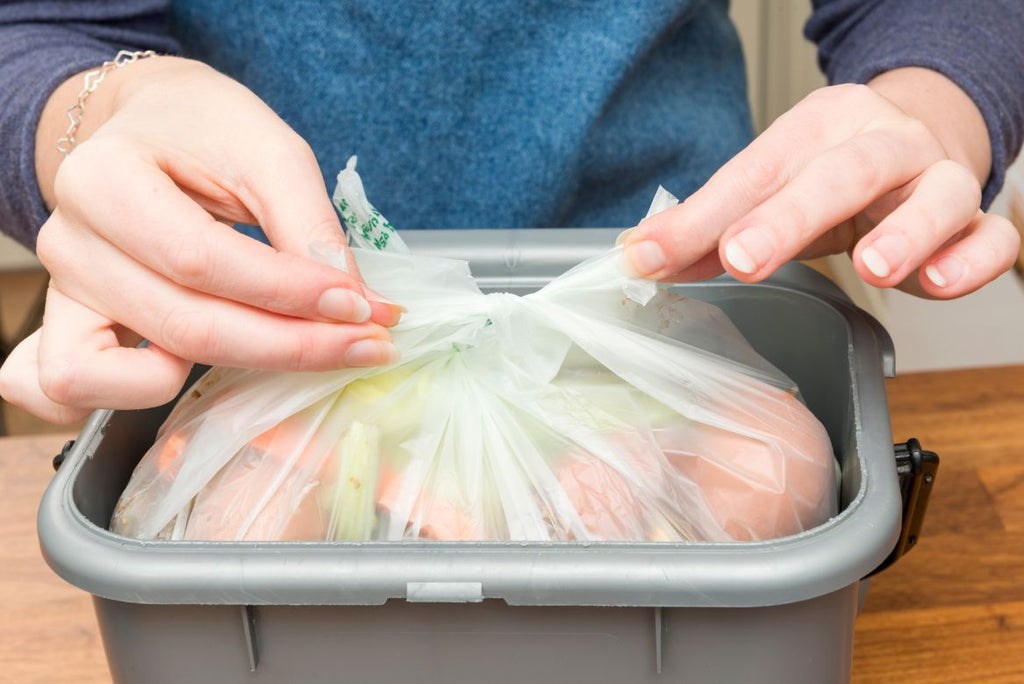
(64, 451)
(916, 470)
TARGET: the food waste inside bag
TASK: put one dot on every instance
(600, 407)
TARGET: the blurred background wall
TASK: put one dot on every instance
(982, 329)
(985, 328)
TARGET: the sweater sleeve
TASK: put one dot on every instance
(41, 45)
(975, 44)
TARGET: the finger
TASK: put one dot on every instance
(943, 203)
(200, 327)
(829, 190)
(334, 252)
(83, 365)
(286, 192)
(19, 384)
(668, 242)
(205, 188)
(846, 235)
(708, 266)
(299, 219)
(385, 311)
(298, 216)
(136, 206)
(664, 245)
(987, 249)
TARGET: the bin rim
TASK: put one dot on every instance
(820, 561)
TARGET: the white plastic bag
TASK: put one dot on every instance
(600, 407)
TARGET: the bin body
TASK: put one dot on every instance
(808, 642)
(775, 611)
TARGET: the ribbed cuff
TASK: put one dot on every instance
(975, 44)
(30, 73)
(35, 58)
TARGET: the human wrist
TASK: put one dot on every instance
(99, 106)
(948, 112)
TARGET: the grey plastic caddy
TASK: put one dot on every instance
(778, 611)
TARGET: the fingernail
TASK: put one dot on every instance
(364, 353)
(622, 236)
(885, 255)
(377, 299)
(385, 311)
(387, 315)
(874, 262)
(645, 258)
(750, 250)
(945, 272)
(330, 252)
(341, 304)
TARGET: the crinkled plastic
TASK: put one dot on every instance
(600, 407)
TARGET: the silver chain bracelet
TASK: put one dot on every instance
(92, 82)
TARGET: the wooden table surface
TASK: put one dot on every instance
(950, 611)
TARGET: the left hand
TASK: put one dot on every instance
(846, 169)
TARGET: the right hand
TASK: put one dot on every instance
(139, 245)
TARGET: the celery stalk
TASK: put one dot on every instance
(355, 490)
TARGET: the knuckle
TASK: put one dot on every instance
(282, 156)
(819, 95)
(326, 229)
(914, 136)
(191, 263)
(861, 170)
(283, 291)
(919, 133)
(277, 296)
(962, 178)
(839, 95)
(303, 353)
(190, 334)
(920, 221)
(50, 246)
(958, 171)
(62, 380)
(762, 177)
(297, 358)
(791, 214)
(290, 151)
(854, 93)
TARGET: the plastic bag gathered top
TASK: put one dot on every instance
(600, 407)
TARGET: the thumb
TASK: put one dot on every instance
(290, 200)
(287, 195)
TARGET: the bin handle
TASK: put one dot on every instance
(65, 451)
(916, 469)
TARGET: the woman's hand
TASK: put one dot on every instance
(139, 245)
(890, 172)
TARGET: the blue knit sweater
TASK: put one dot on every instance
(500, 113)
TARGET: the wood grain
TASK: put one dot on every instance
(1005, 484)
(48, 634)
(973, 418)
(950, 611)
(971, 643)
